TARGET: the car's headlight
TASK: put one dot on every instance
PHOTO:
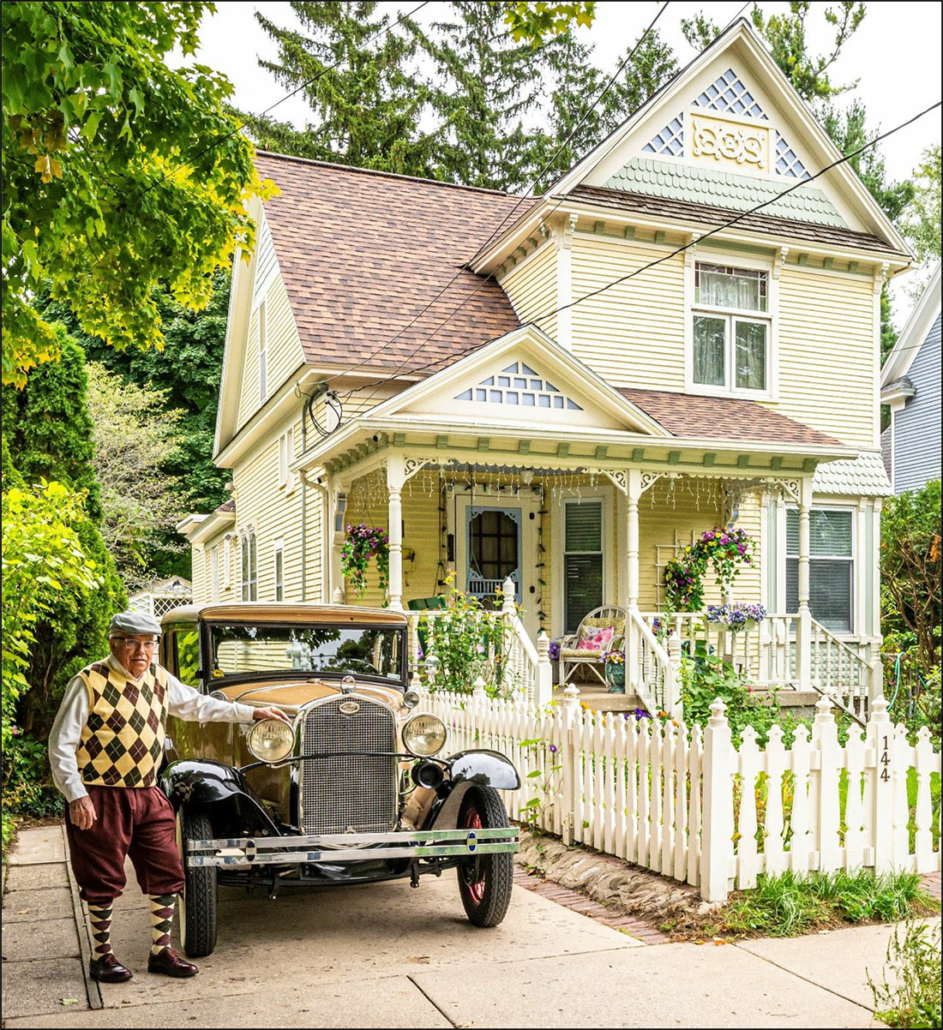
(271, 740)
(424, 735)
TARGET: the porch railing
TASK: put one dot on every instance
(526, 664)
(768, 654)
(652, 671)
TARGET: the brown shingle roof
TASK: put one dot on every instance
(723, 418)
(710, 215)
(362, 253)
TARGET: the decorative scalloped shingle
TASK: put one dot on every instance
(863, 476)
(723, 189)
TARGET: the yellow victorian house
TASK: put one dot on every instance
(566, 392)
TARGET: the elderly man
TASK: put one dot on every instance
(105, 750)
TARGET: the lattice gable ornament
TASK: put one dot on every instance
(520, 385)
(724, 141)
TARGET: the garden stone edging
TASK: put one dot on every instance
(610, 881)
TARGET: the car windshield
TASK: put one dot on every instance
(238, 650)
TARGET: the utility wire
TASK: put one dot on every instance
(495, 233)
(304, 85)
(679, 250)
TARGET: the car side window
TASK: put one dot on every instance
(184, 655)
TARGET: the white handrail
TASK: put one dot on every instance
(651, 671)
(840, 672)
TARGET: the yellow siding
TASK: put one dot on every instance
(532, 287)
(826, 353)
(198, 574)
(275, 512)
(633, 334)
(283, 352)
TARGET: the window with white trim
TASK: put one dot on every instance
(731, 329)
(263, 369)
(227, 561)
(286, 452)
(214, 573)
(250, 567)
(831, 566)
(582, 560)
(279, 570)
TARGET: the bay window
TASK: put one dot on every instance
(731, 329)
(831, 566)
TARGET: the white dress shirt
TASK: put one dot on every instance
(182, 701)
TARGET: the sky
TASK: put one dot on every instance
(895, 54)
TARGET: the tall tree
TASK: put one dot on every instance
(922, 218)
(133, 433)
(578, 83)
(118, 171)
(483, 85)
(368, 108)
(49, 432)
(786, 36)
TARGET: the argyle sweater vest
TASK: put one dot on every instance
(123, 738)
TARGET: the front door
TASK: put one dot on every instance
(493, 550)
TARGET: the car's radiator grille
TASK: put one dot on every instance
(348, 791)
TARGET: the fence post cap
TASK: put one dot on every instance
(879, 709)
(717, 717)
(823, 709)
(478, 689)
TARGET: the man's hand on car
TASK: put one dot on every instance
(270, 713)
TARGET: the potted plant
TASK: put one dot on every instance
(615, 671)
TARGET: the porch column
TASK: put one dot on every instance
(395, 478)
(633, 491)
(337, 514)
(804, 628)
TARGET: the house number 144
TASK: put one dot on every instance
(885, 761)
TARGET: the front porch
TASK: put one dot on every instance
(546, 536)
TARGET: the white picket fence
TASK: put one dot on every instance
(700, 810)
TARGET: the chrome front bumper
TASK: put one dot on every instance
(351, 847)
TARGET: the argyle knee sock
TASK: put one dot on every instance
(162, 919)
(99, 915)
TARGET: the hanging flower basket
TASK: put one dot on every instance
(722, 550)
(363, 543)
(736, 616)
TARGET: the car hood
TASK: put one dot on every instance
(292, 694)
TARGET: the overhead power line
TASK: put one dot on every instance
(494, 235)
(674, 253)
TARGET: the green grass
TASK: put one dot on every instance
(914, 1000)
(788, 905)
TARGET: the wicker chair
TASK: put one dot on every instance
(572, 657)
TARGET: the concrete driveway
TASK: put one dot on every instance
(387, 955)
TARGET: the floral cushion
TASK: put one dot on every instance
(576, 652)
(595, 639)
(617, 624)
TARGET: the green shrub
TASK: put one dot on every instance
(27, 790)
(914, 999)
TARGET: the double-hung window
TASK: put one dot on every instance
(279, 570)
(582, 560)
(831, 566)
(250, 567)
(731, 329)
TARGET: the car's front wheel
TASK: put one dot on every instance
(485, 881)
(198, 903)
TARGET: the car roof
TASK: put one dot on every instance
(255, 611)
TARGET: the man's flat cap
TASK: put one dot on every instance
(133, 624)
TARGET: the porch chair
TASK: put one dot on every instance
(597, 623)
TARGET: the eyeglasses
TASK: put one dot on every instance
(136, 645)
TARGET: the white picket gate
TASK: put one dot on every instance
(695, 808)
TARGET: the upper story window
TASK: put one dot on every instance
(731, 329)
(286, 454)
(263, 367)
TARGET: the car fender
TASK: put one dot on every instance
(469, 769)
(203, 783)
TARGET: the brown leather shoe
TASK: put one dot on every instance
(108, 970)
(170, 963)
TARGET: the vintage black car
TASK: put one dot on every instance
(355, 789)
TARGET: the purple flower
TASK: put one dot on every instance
(553, 749)
(640, 713)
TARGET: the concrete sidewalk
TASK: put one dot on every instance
(385, 955)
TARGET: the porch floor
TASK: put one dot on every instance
(596, 697)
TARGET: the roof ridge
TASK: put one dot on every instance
(390, 175)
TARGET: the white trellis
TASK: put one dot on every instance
(162, 596)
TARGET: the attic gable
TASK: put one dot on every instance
(522, 378)
(729, 132)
